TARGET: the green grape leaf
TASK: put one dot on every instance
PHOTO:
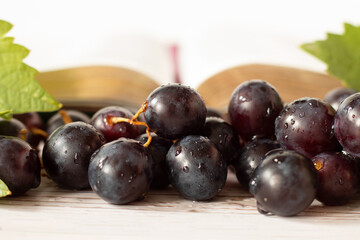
(19, 91)
(341, 53)
(4, 190)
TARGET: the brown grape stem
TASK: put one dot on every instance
(133, 121)
(23, 133)
(65, 116)
(38, 131)
(142, 109)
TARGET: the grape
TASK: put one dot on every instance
(196, 168)
(121, 171)
(223, 136)
(174, 111)
(347, 126)
(19, 165)
(337, 95)
(12, 128)
(56, 121)
(253, 107)
(338, 177)
(31, 121)
(284, 183)
(67, 153)
(306, 126)
(249, 158)
(158, 148)
(101, 120)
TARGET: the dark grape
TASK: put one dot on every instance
(101, 120)
(338, 177)
(306, 126)
(158, 148)
(56, 121)
(284, 183)
(174, 111)
(347, 125)
(67, 153)
(32, 121)
(223, 136)
(337, 95)
(19, 165)
(12, 128)
(121, 171)
(253, 107)
(196, 168)
(249, 158)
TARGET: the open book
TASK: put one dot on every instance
(127, 69)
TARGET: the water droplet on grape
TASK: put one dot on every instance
(186, 169)
(268, 110)
(178, 151)
(292, 121)
(302, 114)
(77, 158)
(341, 181)
(286, 125)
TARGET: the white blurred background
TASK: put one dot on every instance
(211, 35)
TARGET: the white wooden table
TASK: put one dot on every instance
(50, 213)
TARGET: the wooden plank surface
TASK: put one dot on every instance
(53, 213)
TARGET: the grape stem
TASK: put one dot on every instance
(38, 131)
(23, 133)
(134, 121)
(65, 116)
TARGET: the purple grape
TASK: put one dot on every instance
(121, 171)
(56, 121)
(19, 165)
(196, 168)
(253, 107)
(32, 121)
(284, 183)
(306, 126)
(101, 120)
(158, 148)
(337, 95)
(13, 128)
(347, 124)
(67, 151)
(250, 157)
(223, 136)
(338, 177)
(174, 111)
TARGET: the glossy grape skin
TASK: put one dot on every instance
(253, 107)
(158, 148)
(250, 157)
(306, 126)
(56, 121)
(347, 124)
(67, 151)
(338, 177)
(337, 95)
(101, 121)
(19, 165)
(223, 136)
(32, 120)
(196, 168)
(284, 183)
(174, 111)
(121, 171)
(12, 128)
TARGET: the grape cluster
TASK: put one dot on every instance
(285, 155)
